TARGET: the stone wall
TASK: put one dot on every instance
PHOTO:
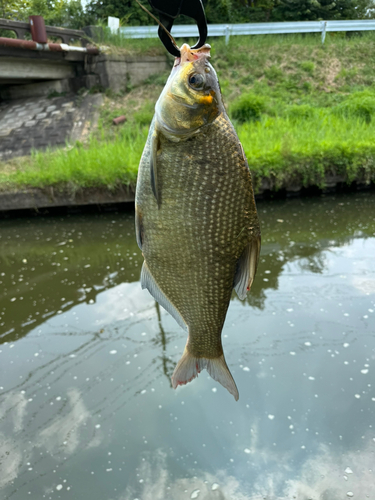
(41, 122)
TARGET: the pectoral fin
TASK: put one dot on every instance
(148, 281)
(246, 268)
(155, 144)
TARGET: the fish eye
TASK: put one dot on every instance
(196, 81)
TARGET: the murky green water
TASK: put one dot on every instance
(87, 411)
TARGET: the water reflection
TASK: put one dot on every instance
(86, 406)
(318, 479)
(50, 265)
(163, 340)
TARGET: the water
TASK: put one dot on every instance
(86, 405)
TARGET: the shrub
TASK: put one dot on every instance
(274, 73)
(248, 107)
(359, 104)
(299, 112)
(308, 66)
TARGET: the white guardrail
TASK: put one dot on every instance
(227, 30)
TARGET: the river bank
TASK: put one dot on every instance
(34, 198)
(304, 113)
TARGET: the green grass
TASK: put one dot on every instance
(302, 111)
(98, 163)
(284, 150)
(115, 43)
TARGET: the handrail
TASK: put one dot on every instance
(227, 30)
(66, 34)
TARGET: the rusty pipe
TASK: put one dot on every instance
(49, 47)
(38, 29)
(119, 119)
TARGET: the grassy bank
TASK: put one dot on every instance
(302, 111)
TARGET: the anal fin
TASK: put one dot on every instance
(148, 281)
(246, 268)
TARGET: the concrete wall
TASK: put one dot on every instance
(22, 77)
(116, 72)
(24, 68)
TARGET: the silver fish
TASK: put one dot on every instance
(196, 218)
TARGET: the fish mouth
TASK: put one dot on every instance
(181, 100)
(190, 55)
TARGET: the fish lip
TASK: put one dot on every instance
(180, 100)
(201, 52)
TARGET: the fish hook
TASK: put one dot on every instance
(169, 10)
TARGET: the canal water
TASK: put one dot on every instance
(87, 411)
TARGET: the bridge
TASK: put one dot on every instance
(62, 60)
(61, 66)
(41, 70)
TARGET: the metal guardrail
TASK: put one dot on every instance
(227, 30)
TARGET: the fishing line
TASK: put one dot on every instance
(159, 23)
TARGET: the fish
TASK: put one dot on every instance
(195, 214)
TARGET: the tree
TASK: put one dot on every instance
(11, 9)
(128, 11)
(68, 13)
(315, 10)
(239, 11)
(217, 11)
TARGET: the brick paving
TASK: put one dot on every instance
(39, 123)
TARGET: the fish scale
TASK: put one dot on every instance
(194, 226)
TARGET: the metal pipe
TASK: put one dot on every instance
(119, 119)
(38, 29)
(50, 47)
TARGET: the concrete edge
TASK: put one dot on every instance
(48, 197)
(131, 59)
(35, 198)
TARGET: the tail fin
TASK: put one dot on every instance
(188, 368)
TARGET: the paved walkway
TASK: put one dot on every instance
(41, 122)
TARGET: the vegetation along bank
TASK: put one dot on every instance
(304, 113)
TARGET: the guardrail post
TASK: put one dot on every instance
(113, 24)
(227, 34)
(324, 28)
